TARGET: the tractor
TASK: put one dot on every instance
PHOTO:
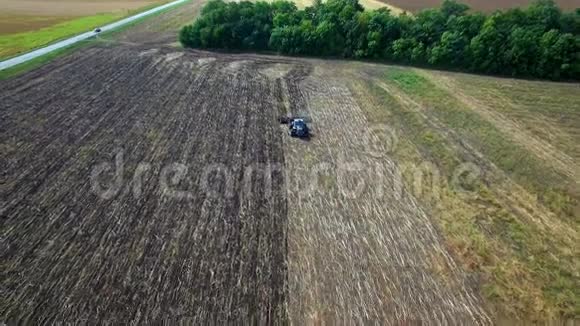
(297, 127)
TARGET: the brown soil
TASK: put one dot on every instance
(68, 8)
(10, 24)
(479, 5)
(149, 255)
(206, 250)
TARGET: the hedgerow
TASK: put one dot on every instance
(539, 41)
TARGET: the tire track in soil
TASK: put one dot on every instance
(364, 257)
(70, 256)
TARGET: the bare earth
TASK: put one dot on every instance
(19, 16)
(68, 8)
(218, 215)
(479, 5)
(10, 24)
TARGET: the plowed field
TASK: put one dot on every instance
(160, 251)
(142, 183)
(187, 215)
(478, 5)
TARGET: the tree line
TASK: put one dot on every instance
(538, 41)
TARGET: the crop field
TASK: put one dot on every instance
(25, 25)
(69, 7)
(479, 5)
(187, 224)
(158, 185)
(517, 222)
(87, 256)
(24, 16)
(360, 247)
(183, 222)
(15, 23)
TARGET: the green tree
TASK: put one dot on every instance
(544, 15)
(383, 30)
(468, 26)
(487, 49)
(453, 8)
(570, 22)
(522, 53)
(559, 55)
(538, 41)
(408, 50)
(328, 39)
(450, 51)
(428, 26)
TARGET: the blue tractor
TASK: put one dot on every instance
(298, 128)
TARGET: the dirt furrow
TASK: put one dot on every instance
(150, 252)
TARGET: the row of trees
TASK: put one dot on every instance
(538, 41)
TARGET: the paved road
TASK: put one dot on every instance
(62, 44)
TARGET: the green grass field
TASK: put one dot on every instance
(18, 43)
(14, 44)
(105, 36)
(38, 62)
(14, 23)
(518, 224)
